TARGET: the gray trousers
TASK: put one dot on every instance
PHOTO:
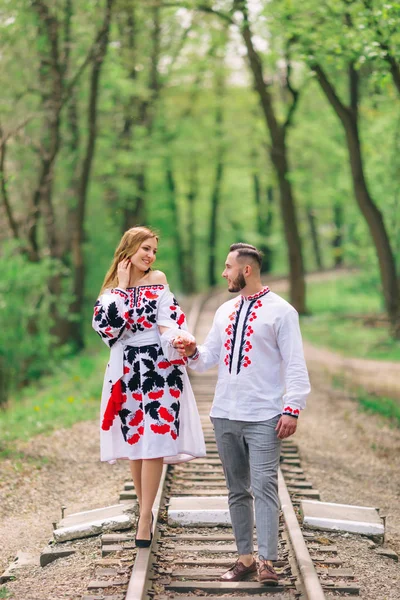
(249, 453)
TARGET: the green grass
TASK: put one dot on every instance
(69, 395)
(4, 593)
(332, 305)
(387, 407)
(380, 405)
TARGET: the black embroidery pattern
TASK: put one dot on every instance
(231, 331)
(107, 320)
(245, 346)
(151, 391)
(147, 397)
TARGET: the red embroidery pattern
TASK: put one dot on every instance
(149, 292)
(248, 331)
(131, 292)
(230, 332)
(156, 388)
(246, 361)
(247, 346)
(164, 414)
(259, 294)
(288, 410)
(120, 293)
(176, 313)
(138, 418)
(130, 323)
(151, 386)
(114, 405)
(146, 306)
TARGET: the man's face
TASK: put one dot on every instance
(233, 273)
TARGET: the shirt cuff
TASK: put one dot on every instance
(291, 411)
(194, 356)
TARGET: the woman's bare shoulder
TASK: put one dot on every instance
(158, 278)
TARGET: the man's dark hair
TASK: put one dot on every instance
(247, 250)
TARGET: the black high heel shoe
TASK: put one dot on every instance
(145, 543)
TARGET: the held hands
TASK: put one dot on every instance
(124, 273)
(185, 344)
(286, 426)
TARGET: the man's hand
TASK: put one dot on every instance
(286, 427)
(185, 347)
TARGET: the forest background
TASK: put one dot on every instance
(271, 122)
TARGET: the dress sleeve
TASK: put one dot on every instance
(170, 315)
(295, 369)
(169, 312)
(112, 315)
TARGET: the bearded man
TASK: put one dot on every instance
(262, 386)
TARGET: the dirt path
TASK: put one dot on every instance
(55, 470)
(354, 458)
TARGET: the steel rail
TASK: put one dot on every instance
(138, 581)
(309, 576)
(311, 586)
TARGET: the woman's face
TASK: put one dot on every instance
(146, 254)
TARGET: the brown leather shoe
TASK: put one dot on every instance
(266, 573)
(238, 571)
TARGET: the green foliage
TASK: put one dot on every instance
(26, 348)
(175, 90)
(71, 394)
(387, 407)
(340, 312)
(4, 592)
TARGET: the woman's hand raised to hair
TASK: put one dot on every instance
(124, 273)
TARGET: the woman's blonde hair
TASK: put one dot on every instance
(128, 246)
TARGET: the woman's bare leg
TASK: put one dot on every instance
(151, 475)
(136, 472)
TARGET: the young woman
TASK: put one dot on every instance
(148, 411)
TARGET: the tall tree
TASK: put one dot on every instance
(312, 222)
(80, 184)
(319, 54)
(43, 232)
(278, 147)
(219, 168)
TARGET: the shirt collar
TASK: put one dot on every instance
(259, 294)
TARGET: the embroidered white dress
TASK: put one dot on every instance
(256, 343)
(147, 408)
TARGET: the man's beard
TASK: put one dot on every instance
(238, 284)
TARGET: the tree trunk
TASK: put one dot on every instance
(140, 113)
(268, 254)
(374, 219)
(337, 241)
(215, 200)
(135, 212)
(12, 223)
(264, 221)
(216, 193)
(179, 243)
(279, 157)
(312, 221)
(52, 86)
(77, 234)
(190, 250)
(349, 119)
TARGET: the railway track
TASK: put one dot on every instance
(185, 562)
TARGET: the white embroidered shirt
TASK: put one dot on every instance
(256, 343)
